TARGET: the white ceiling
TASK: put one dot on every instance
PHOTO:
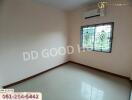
(66, 4)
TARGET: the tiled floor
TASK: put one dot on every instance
(74, 82)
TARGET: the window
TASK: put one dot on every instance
(97, 37)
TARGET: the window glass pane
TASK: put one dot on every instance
(88, 37)
(102, 38)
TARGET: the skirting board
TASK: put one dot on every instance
(23, 80)
(28, 78)
(93, 68)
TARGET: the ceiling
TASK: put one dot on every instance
(66, 4)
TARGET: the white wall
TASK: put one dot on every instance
(120, 60)
(26, 26)
(131, 76)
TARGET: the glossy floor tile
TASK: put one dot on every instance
(75, 82)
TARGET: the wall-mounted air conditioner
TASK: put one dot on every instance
(94, 13)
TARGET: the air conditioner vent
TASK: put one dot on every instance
(93, 13)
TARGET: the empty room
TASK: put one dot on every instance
(65, 49)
